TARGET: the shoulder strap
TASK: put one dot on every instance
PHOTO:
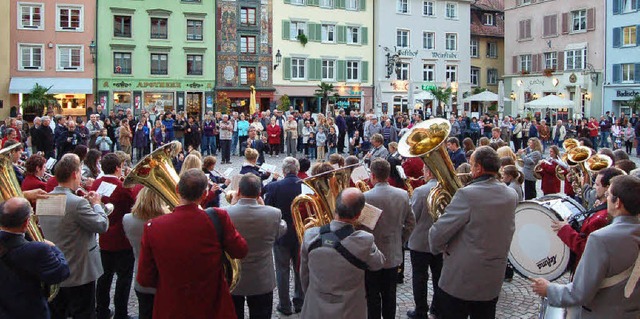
(328, 238)
(216, 224)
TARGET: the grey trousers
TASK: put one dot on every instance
(292, 145)
(285, 257)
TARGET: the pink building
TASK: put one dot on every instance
(50, 45)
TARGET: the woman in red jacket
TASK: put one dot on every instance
(550, 183)
(273, 133)
(35, 169)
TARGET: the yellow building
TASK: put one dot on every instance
(328, 41)
(487, 44)
(5, 61)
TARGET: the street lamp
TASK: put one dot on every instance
(278, 59)
(93, 49)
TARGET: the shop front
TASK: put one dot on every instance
(617, 98)
(343, 97)
(238, 100)
(74, 95)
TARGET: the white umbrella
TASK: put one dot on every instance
(423, 95)
(501, 97)
(550, 101)
(486, 96)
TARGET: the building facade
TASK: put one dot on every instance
(622, 79)
(50, 45)
(555, 47)
(244, 53)
(487, 44)
(420, 44)
(156, 55)
(5, 61)
(326, 41)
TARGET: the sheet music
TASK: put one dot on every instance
(106, 189)
(369, 216)
(561, 209)
(268, 168)
(235, 181)
(359, 174)
(400, 170)
(306, 190)
(50, 162)
(227, 172)
(55, 205)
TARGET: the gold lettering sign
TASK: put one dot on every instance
(159, 85)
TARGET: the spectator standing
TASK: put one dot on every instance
(273, 137)
(291, 132)
(226, 132)
(243, 132)
(208, 137)
(321, 141)
(342, 130)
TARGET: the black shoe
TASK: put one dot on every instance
(298, 309)
(413, 315)
(286, 312)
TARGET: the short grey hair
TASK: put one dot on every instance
(45, 118)
(290, 165)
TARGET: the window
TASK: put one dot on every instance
(194, 64)
(525, 29)
(451, 11)
(402, 6)
(579, 20)
(400, 104)
(487, 19)
(629, 36)
(474, 48)
(194, 30)
(402, 38)
(353, 35)
(158, 28)
(525, 63)
(247, 75)
(247, 44)
(451, 42)
(403, 71)
(69, 18)
(428, 72)
(297, 69)
(30, 57)
(122, 63)
(248, 16)
(475, 76)
(298, 2)
(627, 5)
(122, 26)
(69, 58)
(451, 72)
(628, 73)
(428, 40)
(492, 49)
(352, 4)
(353, 70)
(523, 2)
(326, 3)
(328, 70)
(427, 8)
(575, 59)
(159, 64)
(297, 28)
(492, 76)
(551, 60)
(31, 15)
(328, 33)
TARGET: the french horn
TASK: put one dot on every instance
(156, 172)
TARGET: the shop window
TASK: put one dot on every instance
(69, 18)
(194, 30)
(70, 58)
(121, 100)
(159, 64)
(31, 15)
(30, 57)
(72, 104)
(160, 101)
(194, 64)
(122, 26)
(122, 62)
(159, 28)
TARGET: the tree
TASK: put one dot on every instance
(284, 103)
(324, 90)
(223, 102)
(38, 100)
(634, 103)
(441, 95)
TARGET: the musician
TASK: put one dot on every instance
(180, 256)
(34, 175)
(475, 233)
(10, 135)
(251, 164)
(25, 265)
(115, 251)
(550, 182)
(605, 283)
(394, 160)
(421, 257)
(333, 276)
(455, 152)
(261, 226)
(393, 228)
(574, 234)
(280, 194)
(14, 156)
(378, 150)
(530, 158)
(305, 164)
(254, 142)
(75, 234)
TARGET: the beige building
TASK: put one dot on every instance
(487, 44)
(5, 77)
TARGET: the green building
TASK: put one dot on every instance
(156, 55)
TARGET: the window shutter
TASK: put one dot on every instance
(340, 4)
(521, 30)
(286, 69)
(545, 25)
(319, 32)
(518, 2)
(342, 33)
(638, 34)
(534, 63)
(565, 23)
(528, 29)
(591, 19)
(314, 3)
(636, 73)
(287, 1)
(560, 60)
(553, 25)
(365, 70)
(541, 62)
(365, 34)
(341, 71)
(363, 5)
(515, 64)
(533, 1)
(637, 5)
(286, 30)
(313, 69)
(312, 30)
(617, 32)
(616, 6)
(617, 72)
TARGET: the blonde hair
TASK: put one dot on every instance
(196, 153)
(251, 154)
(505, 151)
(537, 146)
(191, 161)
(148, 205)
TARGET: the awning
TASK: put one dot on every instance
(58, 85)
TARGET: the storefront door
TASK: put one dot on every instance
(194, 104)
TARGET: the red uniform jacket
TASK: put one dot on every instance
(273, 134)
(180, 256)
(51, 184)
(32, 182)
(550, 183)
(122, 199)
(577, 241)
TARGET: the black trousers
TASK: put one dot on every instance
(145, 305)
(421, 262)
(380, 288)
(341, 136)
(226, 150)
(260, 306)
(530, 189)
(77, 302)
(118, 263)
(455, 308)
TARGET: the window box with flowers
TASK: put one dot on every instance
(548, 72)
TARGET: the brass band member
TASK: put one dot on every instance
(15, 155)
(530, 157)
(34, 175)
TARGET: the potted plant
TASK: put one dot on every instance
(548, 72)
(524, 72)
(302, 38)
(37, 100)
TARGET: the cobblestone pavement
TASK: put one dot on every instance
(516, 299)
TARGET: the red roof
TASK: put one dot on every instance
(494, 7)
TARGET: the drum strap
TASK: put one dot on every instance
(633, 273)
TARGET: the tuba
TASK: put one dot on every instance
(427, 141)
(596, 163)
(156, 172)
(9, 188)
(321, 205)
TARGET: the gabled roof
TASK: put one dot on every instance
(478, 9)
(488, 5)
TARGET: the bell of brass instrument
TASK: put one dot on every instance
(596, 163)
(156, 172)
(427, 141)
(320, 205)
(570, 143)
(9, 188)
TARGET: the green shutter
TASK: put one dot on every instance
(286, 30)
(315, 32)
(286, 69)
(341, 71)
(314, 3)
(340, 4)
(342, 33)
(315, 73)
(363, 5)
(287, 1)
(364, 72)
(318, 32)
(365, 36)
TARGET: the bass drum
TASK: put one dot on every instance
(536, 250)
